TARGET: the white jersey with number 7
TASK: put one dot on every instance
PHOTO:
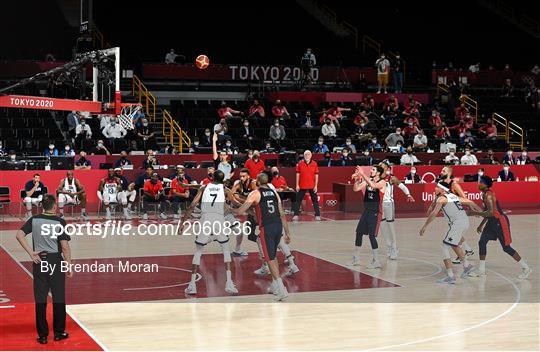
(213, 199)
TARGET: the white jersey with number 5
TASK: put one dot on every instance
(453, 209)
(213, 199)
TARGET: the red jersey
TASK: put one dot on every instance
(254, 168)
(206, 181)
(278, 111)
(153, 189)
(279, 182)
(490, 130)
(257, 108)
(307, 172)
(435, 120)
(177, 186)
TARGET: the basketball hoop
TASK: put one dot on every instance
(127, 114)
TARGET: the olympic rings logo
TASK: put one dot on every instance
(331, 202)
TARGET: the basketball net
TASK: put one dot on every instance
(127, 114)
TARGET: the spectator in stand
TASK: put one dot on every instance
(410, 130)
(268, 148)
(328, 130)
(505, 174)
(368, 103)
(73, 120)
(146, 134)
(435, 120)
(68, 151)
(399, 147)
(535, 70)
(150, 159)
(461, 111)
(277, 132)
(469, 121)
(256, 110)
(327, 159)
(478, 176)
(489, 131)
(247, 131)
(408, 158)
(255, 165)
(170, 58)
(345, 158)
(225, 112)
(383, 69)
(442, 132)
(474, 68)
(412, 176)
(51, 151)
(335, 113)
(123, 161)
(138, 119)
(279, 111)
(411, 111)
(114, 131)
(491, 156)
(420, 140)
(34, 191)
(154, 193)
(369, 159)
(374, 145)
(206, 140)
(349, 145)
(507, 68)
(389, 114)
(412, 118)
(451, 158)
(361, 118)
(82, 163)
(280, 184)
(469, 158)
(82, 132)
(141, 179)
(209, 176)
(195, 144)
(398, 70)
(531, 95)
(307, 121)
(307, 180)
(168, 149)
(523, 158)
(461, 131)
(229, 148)
(221, 128)
(508, 158)
(507, 90)
(361, 133)
(393, 138)
(320, 147)
(100, 149)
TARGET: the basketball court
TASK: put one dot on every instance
(331, 305)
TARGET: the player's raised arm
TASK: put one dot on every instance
(214, 146)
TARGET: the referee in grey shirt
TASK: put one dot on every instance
(53, 250)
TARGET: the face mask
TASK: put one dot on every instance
(246, 124)
(467, 153)
(509, 153)
(413, 172)
(480, 173)
(366, 153)
(398, 132)
(506, 168)
(83, 123)
(145, 124)
(228, 144)
(362, 125)
(51, 146)
(100, 145)
(320, 142)
(207, 133)
(113, 123)
(451, 153)
(195, 143)
(276, 124)
(524, 153)
(345, 154)
(275, 173)
(374, 141)
(67, 148)
(410, 124)
(13, 157)
(210, 174)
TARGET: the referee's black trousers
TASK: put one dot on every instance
(314, 199)
(43, 282)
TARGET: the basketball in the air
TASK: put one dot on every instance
(202, 61)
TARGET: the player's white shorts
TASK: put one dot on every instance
(67, 199)
(30, 200)
(125, 196)
(455, 232)
(388, 211)
(210, 227)
(109, 198)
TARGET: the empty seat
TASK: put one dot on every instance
(18, 122)
(39, 133)
(24, 134)
(7, 133)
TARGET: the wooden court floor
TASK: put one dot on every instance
(498, 312)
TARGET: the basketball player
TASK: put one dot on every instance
(272, 222)
(495, 226)
(241, 189)
(127, 195)
(458, 222)
(70, 191)
(447, 175)
(374, 187)
(109, 188)
(389, 209)
(212, 198)
(283, 246)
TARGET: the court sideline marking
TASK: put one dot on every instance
(67, 309)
